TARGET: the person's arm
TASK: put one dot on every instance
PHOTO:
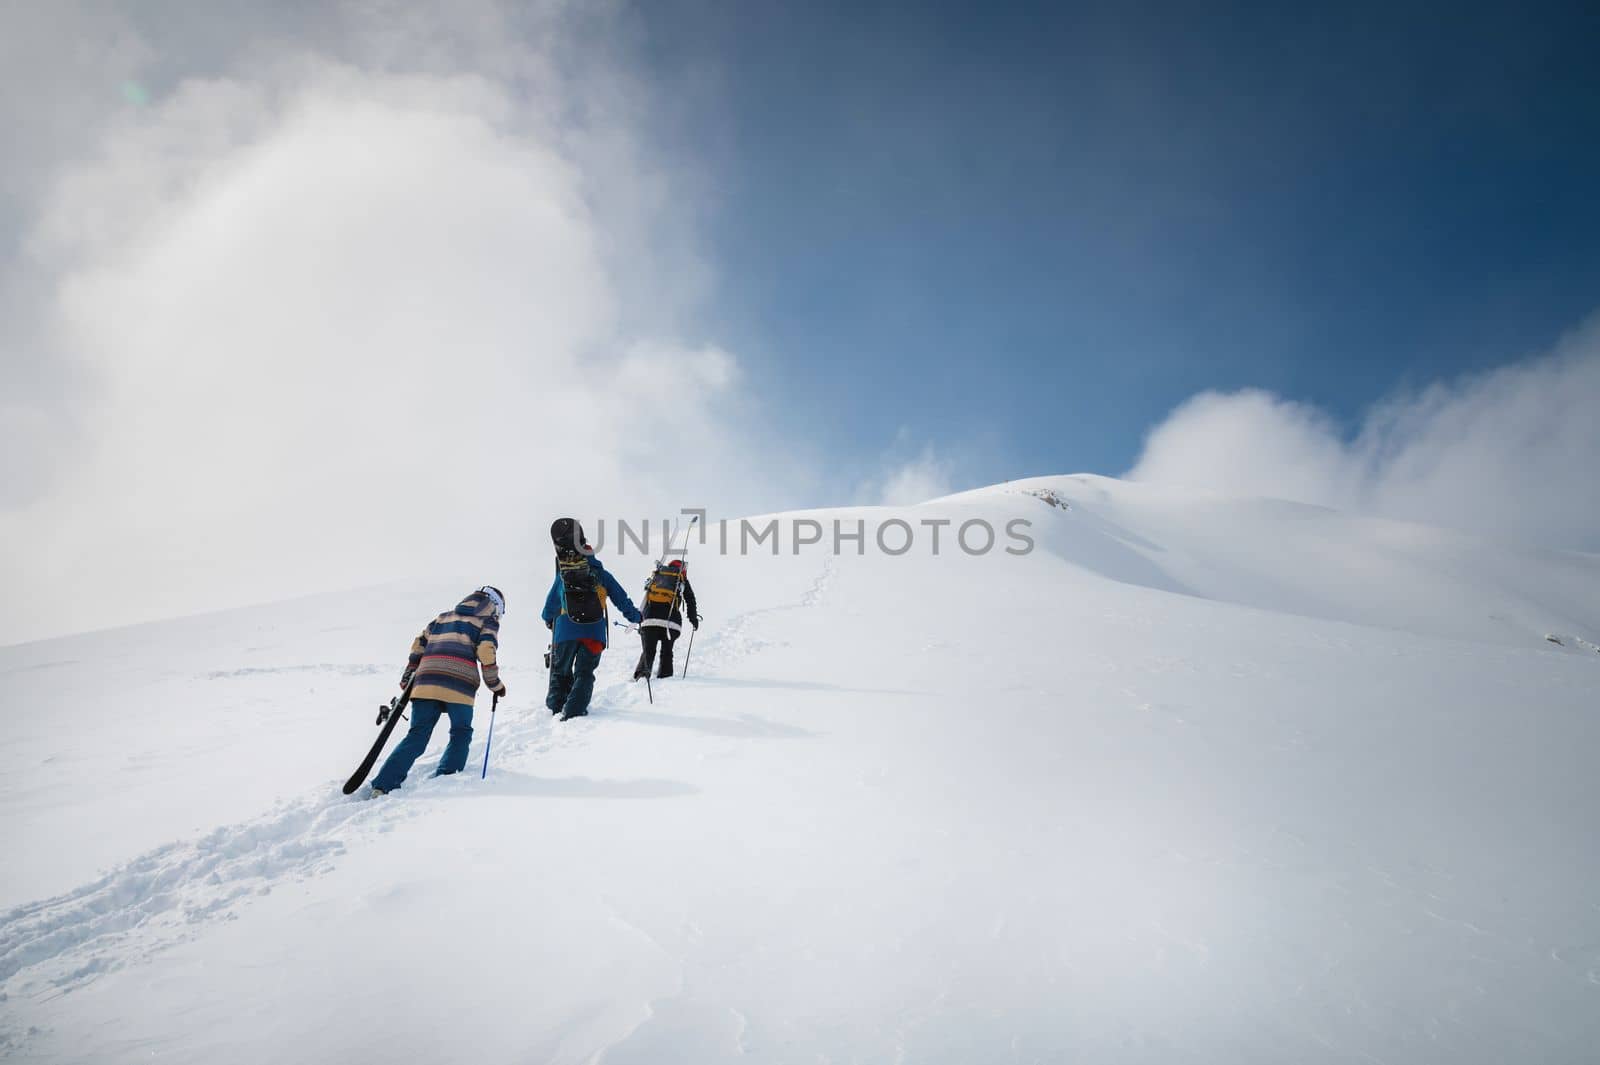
(688, 597)
(488, 644)
(620, 597)
(418, 646)
(552, 605)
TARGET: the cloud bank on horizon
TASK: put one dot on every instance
(1509, 453)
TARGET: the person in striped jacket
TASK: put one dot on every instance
(443, 676)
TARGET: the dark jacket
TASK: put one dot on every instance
(670, 615)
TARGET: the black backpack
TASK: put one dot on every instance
(582, 598)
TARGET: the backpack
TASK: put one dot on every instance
(582, 599)
(663, 586)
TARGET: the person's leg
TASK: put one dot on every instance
(455, 753)
(667, 640)
(583, 665)
(647, 657)
(424, 715)
(560, 675)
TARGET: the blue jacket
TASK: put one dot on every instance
(567, 629)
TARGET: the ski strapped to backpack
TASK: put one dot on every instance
(664, 590)
(663, 586)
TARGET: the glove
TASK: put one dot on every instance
(405, 678)
(550, 625)
(695, 621)
(499, 692)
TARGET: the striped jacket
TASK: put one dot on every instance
(446, 657)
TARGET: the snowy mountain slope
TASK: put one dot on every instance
(1149, 793)
(1302, 559)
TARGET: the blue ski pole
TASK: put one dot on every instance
(490, 741)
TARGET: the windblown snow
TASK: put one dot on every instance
(1196, 780)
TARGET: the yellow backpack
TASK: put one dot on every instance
(663, 586)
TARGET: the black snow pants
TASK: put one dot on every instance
(653, 636)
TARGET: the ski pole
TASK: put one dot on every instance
(675, 595)
(647, 690)
(490, 741)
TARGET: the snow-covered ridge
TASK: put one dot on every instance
(1299, 558)
(1196, 779)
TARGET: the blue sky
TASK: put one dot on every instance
(1036, 229)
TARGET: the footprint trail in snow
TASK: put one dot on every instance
(168, 895)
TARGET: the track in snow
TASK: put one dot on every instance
(168, 895)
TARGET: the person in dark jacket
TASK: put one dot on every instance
(667, 593)
(443, 676)
(577, 645)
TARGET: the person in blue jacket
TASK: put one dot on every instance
(576, 613)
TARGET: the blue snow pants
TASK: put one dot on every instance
(425, 713)
(571, 679)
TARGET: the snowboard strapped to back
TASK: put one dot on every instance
(582, 598)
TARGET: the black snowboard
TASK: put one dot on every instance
(388, 716)
(568, 535)
(580, 597)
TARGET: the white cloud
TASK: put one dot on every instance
(350, 313)
(1511, 453)
(923, 478)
